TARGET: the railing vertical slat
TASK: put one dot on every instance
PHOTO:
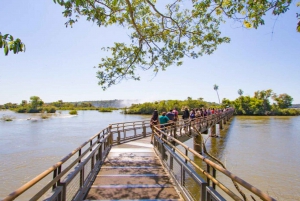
(208, 171)
(214, 175)
(54, 175)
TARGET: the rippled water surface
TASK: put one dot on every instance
(264, 151)
(29, 145)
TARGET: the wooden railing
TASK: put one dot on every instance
(180, 162)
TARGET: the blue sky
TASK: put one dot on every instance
(58, 62)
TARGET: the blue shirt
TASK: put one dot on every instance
(163, 119)
(170, 115)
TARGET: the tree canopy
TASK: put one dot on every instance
(259, 104)
(162, 34)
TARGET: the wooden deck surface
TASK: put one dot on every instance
(132, 171)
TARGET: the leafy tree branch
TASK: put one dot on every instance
(9, 44)
(160, 35)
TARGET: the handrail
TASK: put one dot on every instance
(224, 188)
(243, 183)
(42, 175)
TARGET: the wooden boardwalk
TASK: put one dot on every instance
(132, 171)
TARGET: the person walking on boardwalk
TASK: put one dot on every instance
(193, 114)
(186, 114)
(175, 114)
(163, 120)
(170, 115)
(154, 122)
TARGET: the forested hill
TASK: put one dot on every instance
(110, 103)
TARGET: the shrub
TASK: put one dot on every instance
(50, 109)
(103, 109)
(21, 110)
(73, 112)
(32, 110)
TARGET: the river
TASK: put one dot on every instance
(261, 150)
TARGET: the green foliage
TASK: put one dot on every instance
(21, 109)
(71, 106)
(103, 109)
(9, 44)
(283, 100)
(216, 88)
(284, 112)
(49, 109)
(73, 112)
(35, 102)
(32, 110)
(162, 35)
(264, 95)
(9, 106)
(36, 105)
(240, 92)
(166, 105)
(259, 104)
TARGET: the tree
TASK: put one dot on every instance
(24, 103)
(9, 44)
(240, 92)
(264, 95)
(35, 102)
(226, 102)
(216, 87)
(162, 34)
(283, 100)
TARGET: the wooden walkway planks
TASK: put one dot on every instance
(132, 171)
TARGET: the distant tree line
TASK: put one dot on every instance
(260, 104)
(166, 105)
(37, 105)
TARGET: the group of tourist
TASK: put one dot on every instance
(202, 112)
(172, 116)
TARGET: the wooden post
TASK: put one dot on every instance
(119, 137)
(221, 124)
(144, 130)
(213, 130)
(110, 139)
(198, 144)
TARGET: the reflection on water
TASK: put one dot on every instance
(261, 150)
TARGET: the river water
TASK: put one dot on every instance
(264, 151)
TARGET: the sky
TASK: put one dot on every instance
(59, 62)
